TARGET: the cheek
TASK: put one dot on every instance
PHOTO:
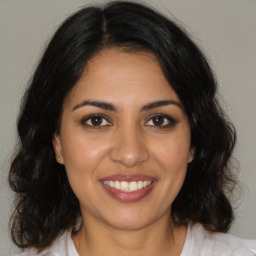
(172, 157)
(173, 153)
(82, 155)
(83, 160)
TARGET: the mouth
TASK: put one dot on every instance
(128, 188)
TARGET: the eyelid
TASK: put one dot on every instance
(171, 121)
(87, 118)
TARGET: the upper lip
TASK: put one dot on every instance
(128, 177)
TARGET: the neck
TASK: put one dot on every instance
(160, 238)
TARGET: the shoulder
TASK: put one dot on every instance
(63, 245)
(202, 242)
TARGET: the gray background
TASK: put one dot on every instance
(225, 29)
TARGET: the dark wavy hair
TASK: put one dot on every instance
(45, 203)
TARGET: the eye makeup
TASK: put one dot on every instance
(161, 121)
(95, 121)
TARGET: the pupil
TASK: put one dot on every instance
(158, 120)
(96, 121)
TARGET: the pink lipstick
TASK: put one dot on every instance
(128, 188)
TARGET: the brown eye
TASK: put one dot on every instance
(161, 121)
(96, 121)
(158, 120)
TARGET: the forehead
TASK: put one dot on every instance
(120, 76)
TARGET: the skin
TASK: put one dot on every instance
(129, 140)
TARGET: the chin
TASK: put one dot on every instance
(130, 220)
(128, 224)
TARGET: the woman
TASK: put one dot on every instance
(124, 148)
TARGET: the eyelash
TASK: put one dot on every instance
(171, 121)
(85, 121)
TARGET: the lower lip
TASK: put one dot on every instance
(129, 196)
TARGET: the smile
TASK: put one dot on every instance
(127, 186)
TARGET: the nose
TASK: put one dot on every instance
(129, 148)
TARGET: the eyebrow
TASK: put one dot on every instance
(99, 104)
(111, 107)
(160, 103)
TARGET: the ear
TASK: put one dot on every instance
(191, 155)
(57, 148)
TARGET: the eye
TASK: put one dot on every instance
(161, 121)
(95, 121)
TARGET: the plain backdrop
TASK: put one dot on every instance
(224, 29)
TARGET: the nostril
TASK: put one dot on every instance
(130, 153)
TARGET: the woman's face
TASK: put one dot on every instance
(124, 140)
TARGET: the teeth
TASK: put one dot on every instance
(140, 184)
(133, 186)
(127, 186)
(117, 185)
(124, 186)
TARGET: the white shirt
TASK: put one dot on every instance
(199, 242)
